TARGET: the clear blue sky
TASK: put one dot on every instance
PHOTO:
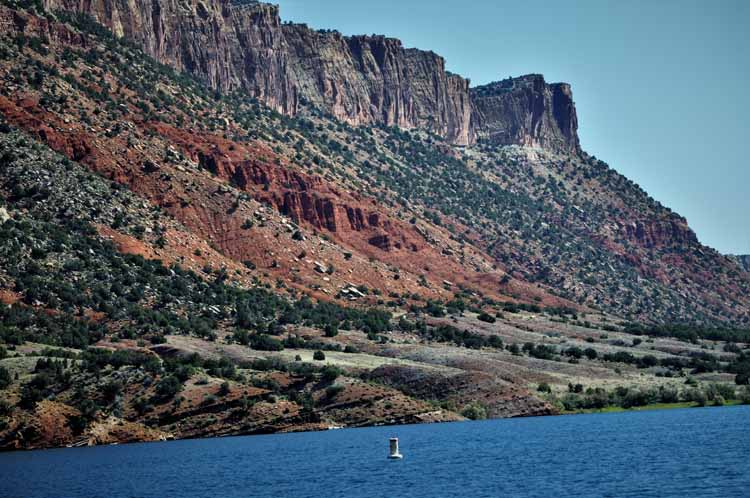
(661, 87)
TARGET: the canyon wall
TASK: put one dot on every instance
(229, 47)
(743, 261)
(374, 79)
(233, 45)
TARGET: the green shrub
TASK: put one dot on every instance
(142, 406)
(574, 352)
(539, 351)
(331, 330)
(168, 387)
(577, 388)
(465, 338)
(474, 411)
(334, 390)
(330, 373)
(742, 379)
(319, 356)
(696, 395)
(89, 409)
(77, 424)
(514, 349)
(111, 390)
(434, 309)
(5, 408)
(5, 378)
(37, 389)
(263, 342)
(668, 395)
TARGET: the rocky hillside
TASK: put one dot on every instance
(547, 223)
(103, 342)
(217, 223)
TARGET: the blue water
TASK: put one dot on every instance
(685, 453)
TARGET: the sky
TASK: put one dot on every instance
(661, 87)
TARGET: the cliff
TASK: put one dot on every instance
(743, 261)
(526, 111)
(659, 233)
(227, 46)
(360, 79)
(374, 79)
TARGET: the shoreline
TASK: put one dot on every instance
(653, 407)
(592, 411)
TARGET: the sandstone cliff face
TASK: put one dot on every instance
(650, 233)
(360, 80)
(743, 261)
(229, 47)
(526, 111)
(374, 79)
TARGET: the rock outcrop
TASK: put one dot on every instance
(374, 79)
(233, 45)
(228, 45)
(526, 111)
(743, 261)
(673, 231)
(21, 22)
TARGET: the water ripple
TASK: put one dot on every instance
(679, 453)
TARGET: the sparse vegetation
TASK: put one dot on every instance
(474, 411)
(109, 332)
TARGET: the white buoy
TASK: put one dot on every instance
(394, 454)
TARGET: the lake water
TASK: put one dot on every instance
(681, 453)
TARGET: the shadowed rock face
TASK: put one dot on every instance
(360, 80)
(229, 47)
(526, 111)
(374, 79)
(744, 261)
